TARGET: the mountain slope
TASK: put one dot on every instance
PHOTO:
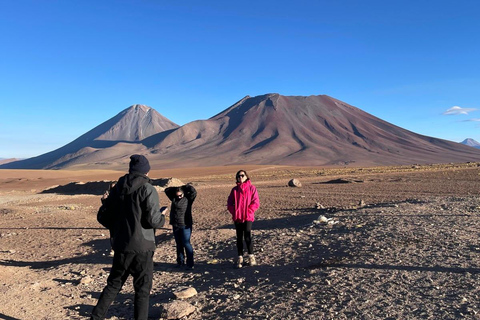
(471, 143)
(267, 129)
(103, 143)
(314, 130)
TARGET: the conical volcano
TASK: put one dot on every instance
(298, 130)
(270, 129)
(110, 140)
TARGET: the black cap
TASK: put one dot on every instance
(139, 163)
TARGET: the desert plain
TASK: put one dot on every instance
(396, 242)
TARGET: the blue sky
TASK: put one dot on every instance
(67, 66)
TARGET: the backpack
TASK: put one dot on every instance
(108, 210)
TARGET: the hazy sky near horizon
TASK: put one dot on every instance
(68, 66)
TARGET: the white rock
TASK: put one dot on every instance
(323, 219)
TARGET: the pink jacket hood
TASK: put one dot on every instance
(243, 201)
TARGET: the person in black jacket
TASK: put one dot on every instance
(136, 216)
(181, 220)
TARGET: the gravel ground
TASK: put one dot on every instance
(388, 243)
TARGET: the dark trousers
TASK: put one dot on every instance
(140, 266)
(182, 239)
(244, 231)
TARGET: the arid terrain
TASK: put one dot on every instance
(393, 243)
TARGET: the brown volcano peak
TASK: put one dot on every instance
(269, 129)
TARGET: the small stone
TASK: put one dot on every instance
(323, 219)
(213, 261)
(185, 293)
(319, 206)
(177, 309)
(294, 183)
(86, 280)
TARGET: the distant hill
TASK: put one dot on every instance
(267, 129)
(471, 143)
(7, 160)
(106, 142)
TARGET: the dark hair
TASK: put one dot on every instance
(246, 174)
(178, 189)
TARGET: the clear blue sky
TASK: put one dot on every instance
(68, 65)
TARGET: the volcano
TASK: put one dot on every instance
(298, 130)
(269, 129)
(108, 141)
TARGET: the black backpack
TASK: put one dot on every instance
(108, 210)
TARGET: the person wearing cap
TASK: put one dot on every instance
(137, 215)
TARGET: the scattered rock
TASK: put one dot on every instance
(185, 293)
(294, 183)
(177, 309)
(323, 219)
(213, 261)
(86, 280)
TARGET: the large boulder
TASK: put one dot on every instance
(294, 183)
(163, 183)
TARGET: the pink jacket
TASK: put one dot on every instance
(243, 202)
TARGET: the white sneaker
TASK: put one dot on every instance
(251, 260)
(238, 263)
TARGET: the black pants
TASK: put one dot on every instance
(140, 266)
(244, 231)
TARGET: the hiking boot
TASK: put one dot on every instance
(251, 260)
(238, 263)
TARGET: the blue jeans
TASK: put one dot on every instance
(182, 239)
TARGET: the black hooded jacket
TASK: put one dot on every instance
(181, 210)
(137, 214)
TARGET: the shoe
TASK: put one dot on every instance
(238, 263)
(251, 260)
(179, 265)
(188, 268)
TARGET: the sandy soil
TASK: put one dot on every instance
(410, 250)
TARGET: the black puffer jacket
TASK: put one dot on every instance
(181, 209)
(138, 209)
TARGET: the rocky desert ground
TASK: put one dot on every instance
(350, 243)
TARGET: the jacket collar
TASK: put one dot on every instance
(244, 184)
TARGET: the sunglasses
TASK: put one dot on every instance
(240, 176)
(179, 196)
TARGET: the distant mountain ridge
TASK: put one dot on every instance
(7, 160)
(130, 126)
(471, 143)
(270, 129)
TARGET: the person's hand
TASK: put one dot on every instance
(163, 210)
(105, 195)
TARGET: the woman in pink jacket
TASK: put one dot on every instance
(242, 203)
